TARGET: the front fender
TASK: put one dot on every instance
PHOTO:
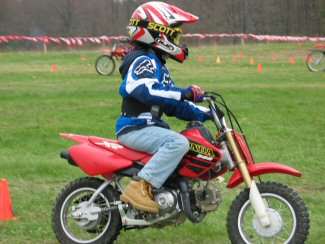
(261, 169)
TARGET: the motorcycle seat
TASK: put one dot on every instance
(116, 147)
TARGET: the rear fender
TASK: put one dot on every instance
(261, 169)
(74, 137)
(94, 160)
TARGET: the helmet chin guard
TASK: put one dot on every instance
(156, 24)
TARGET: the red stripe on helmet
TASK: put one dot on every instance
(137, 14)
(190, 17)
(157, 13)
(139, 34)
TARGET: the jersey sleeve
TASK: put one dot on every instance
(188, 111)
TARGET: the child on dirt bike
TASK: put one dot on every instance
(148, 91)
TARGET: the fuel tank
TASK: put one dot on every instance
(203, 158)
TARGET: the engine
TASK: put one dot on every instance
(206, 197)
(169, 208)
(175, 207)
(167, 200)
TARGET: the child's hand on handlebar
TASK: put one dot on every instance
(193, 93)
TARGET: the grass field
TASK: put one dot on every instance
(281, 111)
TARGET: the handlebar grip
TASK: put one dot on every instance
(189, 94)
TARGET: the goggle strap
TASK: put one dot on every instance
(167, 30)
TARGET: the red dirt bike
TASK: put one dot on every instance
(105, 64)
(88, 210)
(316, 58)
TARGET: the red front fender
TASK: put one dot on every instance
(261, 169)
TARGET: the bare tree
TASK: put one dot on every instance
(110, 17)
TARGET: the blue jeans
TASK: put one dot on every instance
(167, 147)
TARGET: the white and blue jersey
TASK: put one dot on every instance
(148, 81)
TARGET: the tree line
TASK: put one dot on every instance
(64, 18)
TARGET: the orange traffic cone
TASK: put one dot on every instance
(54, 69)
(292, 60)
(241, 54)
(5, 202)
(259, 68)
(235, 59)
(252, 61)
(200, 59)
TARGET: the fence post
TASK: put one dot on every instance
(44, 47)
(242, 41)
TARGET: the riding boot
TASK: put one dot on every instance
(139, 195)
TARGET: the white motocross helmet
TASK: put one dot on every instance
(156, 24)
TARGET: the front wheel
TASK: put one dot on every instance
(74, 222)
(316, 61)
(286, 210)
(105, 65)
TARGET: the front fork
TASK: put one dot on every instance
(254, 195)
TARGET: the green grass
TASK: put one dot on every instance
(281, 111)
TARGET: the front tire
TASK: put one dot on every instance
(74, 223)
(316, 61)
(105, 65)
(287, 211)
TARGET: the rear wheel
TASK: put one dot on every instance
(316, 61)
(286, 210)
(75, 222)
(105, 65)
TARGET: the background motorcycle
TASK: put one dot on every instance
(105, 64)
(316, 58)
(88, 210)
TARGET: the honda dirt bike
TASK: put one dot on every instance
(89, 210)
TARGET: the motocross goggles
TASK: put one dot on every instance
(179, 32)
(174, 33)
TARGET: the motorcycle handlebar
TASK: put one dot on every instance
(219, 119)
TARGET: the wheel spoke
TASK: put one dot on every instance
(285, 230)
